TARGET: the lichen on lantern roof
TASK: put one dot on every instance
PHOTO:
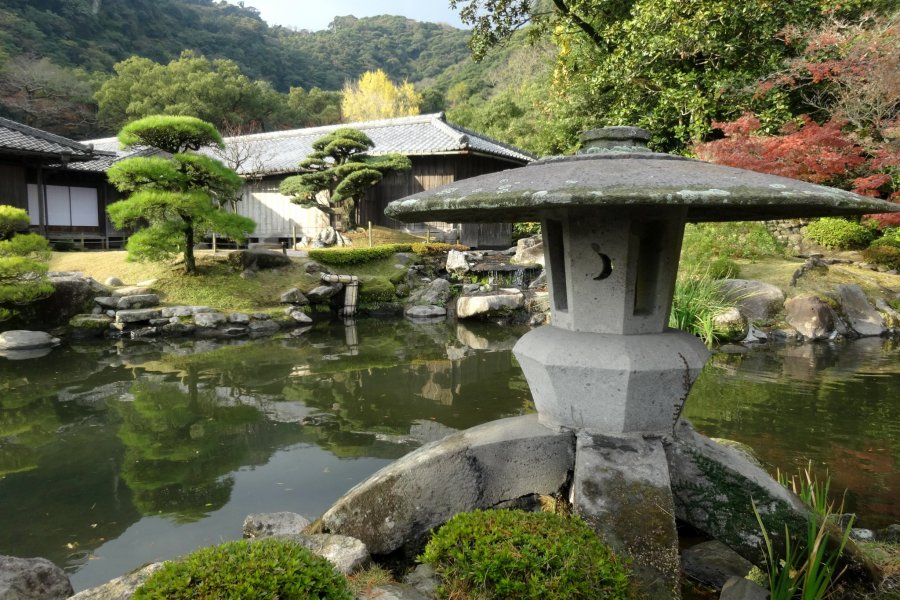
(618, 180)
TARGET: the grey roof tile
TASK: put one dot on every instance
(281, 151)
(278, 152)
(18, 138)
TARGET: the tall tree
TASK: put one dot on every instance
(338, 173)
(174, 200)
(191, 85)
(375, 96)
(671, 67)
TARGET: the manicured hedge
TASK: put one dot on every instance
(355, 256)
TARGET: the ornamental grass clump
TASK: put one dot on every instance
(512, 554)
(267, 568)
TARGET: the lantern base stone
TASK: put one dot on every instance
(610, 383)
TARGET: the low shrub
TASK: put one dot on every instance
(267, 568)
(886, 255)
(433, 248)
(839, 234)
(355, 256)
(524, 230)
(512, 554)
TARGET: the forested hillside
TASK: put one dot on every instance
(95, 34)
(56, 54)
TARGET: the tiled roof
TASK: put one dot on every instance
(281, 151)
(107, 152)
(16, 138)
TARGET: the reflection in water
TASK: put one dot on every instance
(837, 405)
(112, 455)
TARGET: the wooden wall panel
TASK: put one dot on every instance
(12, 186)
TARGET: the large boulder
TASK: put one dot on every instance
(293, 296)
(758, 301)
(73, 295)
(529, 251)
(32, 579)
(489, 304)
(730, 325)
(811, 317)
(347, 554)
(21, 339)
(89, 325)
(278, 523)
(257, 260)
(861, 315)
(481, 467)
(457, 262)
(437, 292)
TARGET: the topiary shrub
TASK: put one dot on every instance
(512, 554)
(839, 234)
(266, 568)
(430, 249)
(355, 256)
(23, 264)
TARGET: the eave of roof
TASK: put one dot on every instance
(22, 140)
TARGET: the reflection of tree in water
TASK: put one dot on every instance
(835, 405)
(27, 422)
(362, 405)
(181, 441)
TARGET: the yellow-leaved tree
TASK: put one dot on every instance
(375, 96)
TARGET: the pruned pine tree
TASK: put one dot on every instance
(338, 173)
(176, 200)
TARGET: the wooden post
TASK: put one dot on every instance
(428, 235)
(214, 249)
(370, 234)
(293, 235)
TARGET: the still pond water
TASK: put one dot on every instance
(115, 455)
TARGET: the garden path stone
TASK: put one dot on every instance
(137, 315)
(738, 588)
(425, 312)
(394, 591)
(136, 301)
(210, 319)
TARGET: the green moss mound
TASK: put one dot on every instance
(884, 254)
(512, 554)
(268, 568)
(376, 289)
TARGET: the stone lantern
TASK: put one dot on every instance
(608, 371)
(612, 219)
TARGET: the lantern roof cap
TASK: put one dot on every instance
(616, 171)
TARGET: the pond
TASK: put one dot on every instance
(113, 455)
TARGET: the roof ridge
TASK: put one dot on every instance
(322, 129)
(488, 138)
(45, 135)
(440, 122)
